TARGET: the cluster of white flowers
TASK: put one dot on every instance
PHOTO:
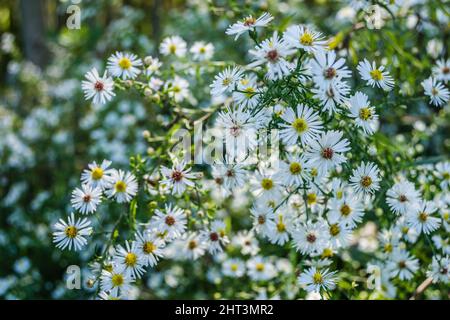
(313, 201)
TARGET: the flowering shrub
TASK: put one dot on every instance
(313, 199)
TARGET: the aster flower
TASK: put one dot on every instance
(402, 265)
(215, 237)
(202, 51)
(174, 46)
(364, 115)
(249, 23)
(263, 219)
(71, 234)
(229, 175)
(178, 178)
(129, 260)
(441, 71)
(247, 93)
(99, 89)
(315, 280)
(266, 185)
(150, 247)
(438, 93)
(302, 37)
(422, 219)
(403, 197)
(310, 238)
(375, 77)
(284, 222)
(348, 210)
(327, 152)
(122, 186)
(177, 88)
(226, 81)
(365, 179)
(152, 66)
(303, 124)
(86, 199)
(443, 173)
(273, 53)
(332, 96)
(234, 268)
(124, 65)
(260, 269)
(439, 269)
(293, 172)
(115, 282)
(193, 246)
(97, 175)
(172, 222)
(326, 69)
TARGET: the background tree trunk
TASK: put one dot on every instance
(33, 31)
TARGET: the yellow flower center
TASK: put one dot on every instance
(71, 232)
(125, 63)
(317, 278)
(311, 198)
(345, 210)
(295, 168)
(249, 92)
(130, 259)
(306, 39)
(117, 280)
(234, 267)
(97, 173)
(366, 181)
(300, 125)
(176, 89)
(226, 81)
(120, 186)
(259, 267)
(314, 172)
(446, 175)
(365, 114)
(148, 247)
(327, 253)
(388, 247)
(281, 227)
(423, 216)
(172, 48)
(202, 50)
(376, 75)
(334, 229)
(267, 184)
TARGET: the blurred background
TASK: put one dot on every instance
(48, 132)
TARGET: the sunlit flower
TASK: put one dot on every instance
(174, 45)
(122, 186)
(99, 89)
(303, 37)
(71, 234)
(375, 77)
(438, 93)
(86, 199)
(248, 24)
(124, 65)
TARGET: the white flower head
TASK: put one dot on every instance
(124, 65)
(315, 280)
(122, 186)
(375, 76)
(97, 175)
(422, 219)
(304, 125)
(99, 89)
(178, 178)
(403, 197)
(366, 178)
(86, 199)
(150, 247)
(129, 260)
(172, 222)
(364, 114)
(303, 37)
(115, 282)
(249, 23)
(174, 46)
(202, 51)
(438, 93)
(71, 234)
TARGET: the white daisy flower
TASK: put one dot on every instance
(279, 232)
(260, 269)
(97, 175)
(310, 238)
(402, 265)
(422, 219)
(375, 77)
(71, 234)
(389, 240)
(442, 244)
(315, 280)
(326, 152)
(215, 237)
(438, 93)
(86, 199)
(263, 219)
(233, 267)
(122, 186)
(178, 178)
(115, 282)
(231, 176)
(239, 131)
(326, 69)
(441, 71)
(303, 124)
(202, 51)
(443, 174)
(174, 45)
(349, 210)
(339, 234)
(226, 81)
(403, 197)
(402, 227)
(364, 115)
(177, 89)
(155, 83)
(129, 260)
(247, 93)
(124, 65)
(293, 172)
(439, 269)
(247, 242)
(273, 52)
(249, 23)
(150, 247)
(99, 89)
(332, 96)
(266, 185)
(365, 179)
(300, 36)
(152, 66)
(172, 222)
(193, 246)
